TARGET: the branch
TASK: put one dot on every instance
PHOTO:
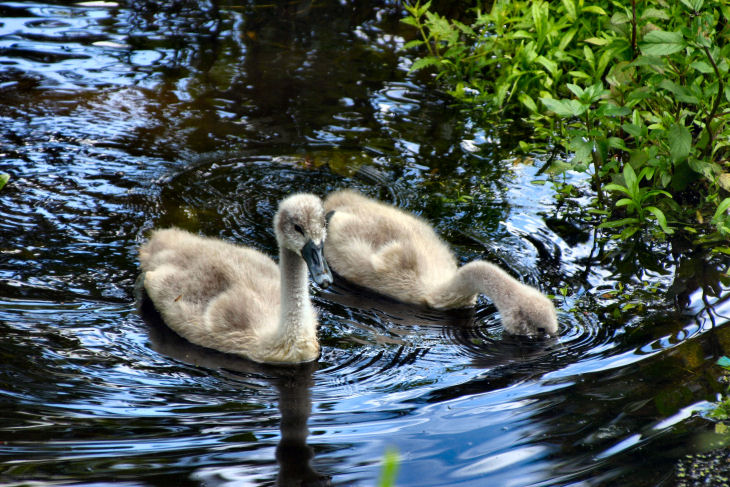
(716, 104)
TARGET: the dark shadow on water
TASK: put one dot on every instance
(293, 384)
(351, 295)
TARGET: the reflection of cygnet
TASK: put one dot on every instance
(293, 454)
(293, 386)
(235, 299)
(387, 250)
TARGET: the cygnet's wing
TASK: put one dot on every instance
(382, 248)
(211, 292)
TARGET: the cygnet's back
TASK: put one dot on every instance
(211, 286)
(381, 248)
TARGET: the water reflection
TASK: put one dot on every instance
(292, 384)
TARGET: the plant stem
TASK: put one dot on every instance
(425, 38)
(716, 104)
(597, 163)
(422, 31)
(633, 27)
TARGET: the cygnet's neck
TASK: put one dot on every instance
(524, 310)
(475, 278)
(297, 318)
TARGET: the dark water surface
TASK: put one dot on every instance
(116, 118)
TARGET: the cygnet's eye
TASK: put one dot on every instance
(299, 229)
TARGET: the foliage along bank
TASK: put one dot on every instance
(637, 93)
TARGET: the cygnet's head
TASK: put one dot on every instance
(534, 314)
(300, 227)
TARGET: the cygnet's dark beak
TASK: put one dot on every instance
(318, 268)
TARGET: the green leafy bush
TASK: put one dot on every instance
(638, 93)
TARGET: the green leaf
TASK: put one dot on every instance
(724, 181)
(424, 7)
(646, 172)
(464, 28)
(661, 43)
(425, 62)
(624, 202)
(594, 9)
(539, 17)
(4, 178)
(721, 210)
(655, 192)
(619, 18)
(501, 92)
(633, 129)
(582, 75)
(551, 66)
(567, 37)
(564, 108)
(693, 5)
(441, 28)
(660, 218)
(638, 157)
(410, 21)
(628, 232)
(619, 223)
(521, 34)
(665, 179)
(617, 143)
(607, 57)
(413, 43)
(654, 13)
(595, 92)
(608, 109)
(598, 41)
(559, 167)
(632, 183)
(680, 142)
(615, 187)
(680, 92)
(583, 149)
(702, 67)
(570, 9)
(588, 54)
(652, 61)
(527, 100)
(701, 167)
(577, 90)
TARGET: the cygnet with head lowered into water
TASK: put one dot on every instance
(382, 248)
